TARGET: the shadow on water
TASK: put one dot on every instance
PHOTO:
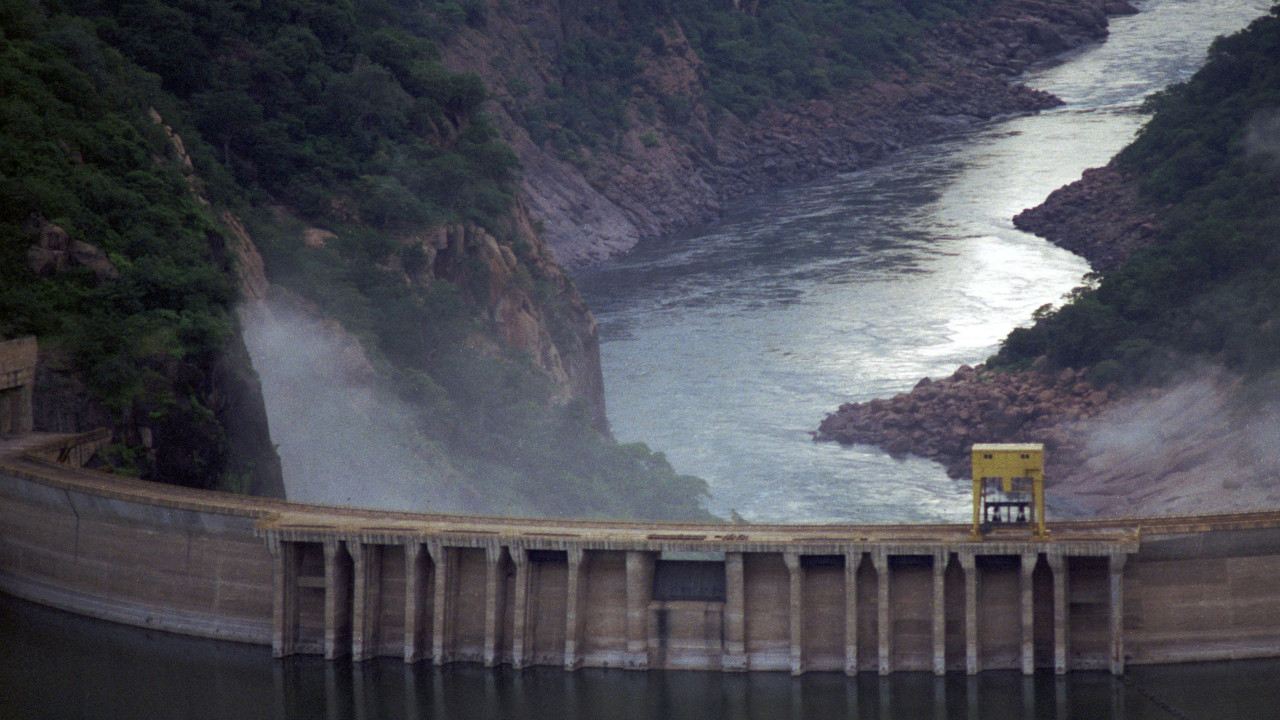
(55, 665)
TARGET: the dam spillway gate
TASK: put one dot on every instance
(761, 598)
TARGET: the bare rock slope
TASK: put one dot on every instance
(671, 168)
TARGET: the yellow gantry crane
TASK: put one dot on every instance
(1008, 487)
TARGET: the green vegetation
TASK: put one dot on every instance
(1210, 287)
(799, 49)
(77, 148)
(294, 113)
(337, 109)
(780, 51)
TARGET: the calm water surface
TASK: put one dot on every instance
(59, 667)
(726, 347)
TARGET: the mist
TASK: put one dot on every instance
(341, 441)
(1262, 136)
(1210, 443)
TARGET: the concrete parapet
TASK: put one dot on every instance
(74, 450)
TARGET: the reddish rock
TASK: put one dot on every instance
(54, 253)
(942, 419)
(1099, 217)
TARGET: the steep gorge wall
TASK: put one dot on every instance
(668, 169)
(530, 299)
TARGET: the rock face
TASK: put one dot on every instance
(54, 253)
(679, 165)
(183, 443)
(530, 300)
(1206, 444)
(1098, 217)
(213, 431)
(942, 419)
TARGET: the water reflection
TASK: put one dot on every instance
(54, 665)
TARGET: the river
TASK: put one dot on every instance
(724, 348)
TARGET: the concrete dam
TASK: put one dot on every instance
(572, 593)
(346, 582)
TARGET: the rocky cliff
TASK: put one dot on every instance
(174, 382)
(529, 299)
(200, 421)
(678, 157)
(1099, 217)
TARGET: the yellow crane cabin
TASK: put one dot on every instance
(1008, 487)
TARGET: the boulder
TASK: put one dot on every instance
(54, 253)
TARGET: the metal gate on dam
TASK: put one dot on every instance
(571, 593)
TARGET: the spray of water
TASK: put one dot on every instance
(1210, 443)
(341, 441)
(1262, 136)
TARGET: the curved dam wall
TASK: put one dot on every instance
(881, 598)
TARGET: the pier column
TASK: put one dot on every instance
(366, 606)
(573, 615)
(337, 599)
(1028, 568)
(521, 633)
(969, 565)
(796, 610)
(284, 600)
(441, 605)
(940, 612)
(493, 610)
(1061, 628)
(884, 620)
(1117, 612)
(415, 614)
(735, 614)
(639, 593)
(852, 559)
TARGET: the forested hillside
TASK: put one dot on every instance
(380, 198)
(108, 257)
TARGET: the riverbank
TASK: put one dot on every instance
(669, 169)
(942, 419)
(1203, 443)
(1100, 217)
(1173, 337)
(1184, 445)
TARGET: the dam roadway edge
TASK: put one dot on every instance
(342, 582)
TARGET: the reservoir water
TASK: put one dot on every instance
(724, 348)
(58, 667)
